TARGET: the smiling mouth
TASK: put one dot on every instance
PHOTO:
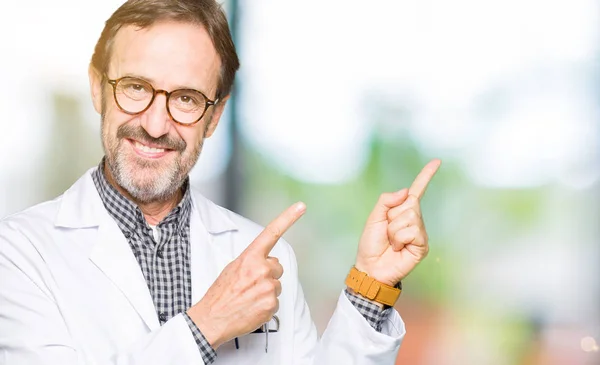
(148, 151)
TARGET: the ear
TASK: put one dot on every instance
(96, 88)
(215, 117)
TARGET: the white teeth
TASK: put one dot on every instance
(147, 149)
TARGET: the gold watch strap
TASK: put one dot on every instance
(370, 288)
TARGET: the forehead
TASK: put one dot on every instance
(170, 54)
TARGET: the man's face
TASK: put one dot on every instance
(148, 154)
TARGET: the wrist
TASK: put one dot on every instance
(351, 291)
(372, 289)
(375, 272)
(210, 331)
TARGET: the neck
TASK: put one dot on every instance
(155, 211)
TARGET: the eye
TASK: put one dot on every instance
(185, 99)
(137, 87)
(188, 101)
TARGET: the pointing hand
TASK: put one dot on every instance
(394, 240)
(244, 296)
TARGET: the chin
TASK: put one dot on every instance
(146, 180)
(145, 189)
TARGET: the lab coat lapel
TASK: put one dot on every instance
(211, 243)
(113, 256)
(82, 207)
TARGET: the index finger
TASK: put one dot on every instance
(266, 240)
(419, 186)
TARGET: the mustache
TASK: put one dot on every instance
(140, 134)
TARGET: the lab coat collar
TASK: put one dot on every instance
(81, 207)
(215, 218)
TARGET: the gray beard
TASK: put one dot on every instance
(161, 187)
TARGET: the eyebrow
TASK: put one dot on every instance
(149, 80)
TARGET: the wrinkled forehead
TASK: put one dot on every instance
(169, 54)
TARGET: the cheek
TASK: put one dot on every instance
(192, 136)
(111, 124)
(112, 119)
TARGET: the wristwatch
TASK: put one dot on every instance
(372, 289)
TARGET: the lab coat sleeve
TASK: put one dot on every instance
(348, 338)
(32, 329)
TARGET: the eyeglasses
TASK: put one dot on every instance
(134, 96)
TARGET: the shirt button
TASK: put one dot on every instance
(159, 253)
(127, 234)
(162, 317)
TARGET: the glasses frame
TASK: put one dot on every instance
(115, 82)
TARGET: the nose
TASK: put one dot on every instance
(156, 120)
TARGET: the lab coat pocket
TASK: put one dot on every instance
(253, 348)
(258, 349)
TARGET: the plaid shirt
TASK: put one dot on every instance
(165, 262)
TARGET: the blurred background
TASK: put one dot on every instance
(338, 101)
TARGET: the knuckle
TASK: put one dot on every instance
(271, 305)
(412, 199)
(396, 212)
(397, 237)
(390, 215)
(263, 271)
(391, 231)
(412, 214)
(272, 287)
(408, 238)
(268, 288)
(418, 230)
(272, 302)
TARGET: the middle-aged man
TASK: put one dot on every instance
(131, 265)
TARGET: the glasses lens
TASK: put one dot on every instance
(133, 95)
(187, 106)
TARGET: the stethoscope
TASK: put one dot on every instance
(263, 329)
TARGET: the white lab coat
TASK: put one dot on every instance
(72, 292)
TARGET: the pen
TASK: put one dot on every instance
(267, 333)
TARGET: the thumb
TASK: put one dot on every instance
(386, 202)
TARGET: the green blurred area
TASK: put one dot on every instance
(464, 222)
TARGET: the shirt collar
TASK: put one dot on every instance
(127, 214)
